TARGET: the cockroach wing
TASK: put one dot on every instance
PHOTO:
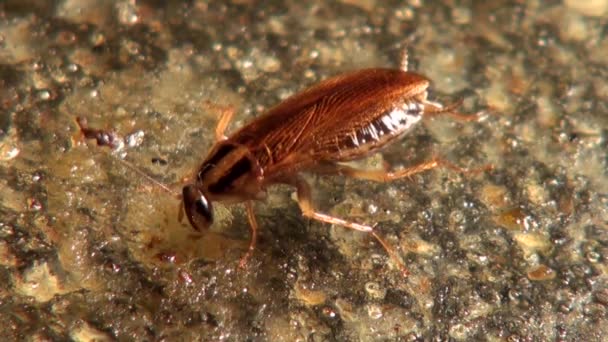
(339, 119)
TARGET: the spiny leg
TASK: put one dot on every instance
(226, 115)
(305, 202)
(403, 63)
(254, 233)
(388, 175)
(432, 109)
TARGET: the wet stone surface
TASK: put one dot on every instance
(89, 249)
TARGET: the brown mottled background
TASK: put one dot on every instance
(90, 250)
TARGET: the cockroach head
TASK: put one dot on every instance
(197, 207)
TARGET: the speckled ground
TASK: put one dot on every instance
(91, 250)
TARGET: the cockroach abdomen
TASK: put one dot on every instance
(389, 125)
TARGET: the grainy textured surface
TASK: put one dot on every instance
(91, 250)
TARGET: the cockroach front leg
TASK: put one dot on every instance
(305, 202)
(253, 225)
(226, 115)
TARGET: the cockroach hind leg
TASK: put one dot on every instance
(382, 175)
(253, 225)
(305, 203)
(391, 253)
(388, 175)
(454, 167)
(438, 162)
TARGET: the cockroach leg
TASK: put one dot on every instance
(447, 164)
(220, 129)
(226, 115)
(388, 176)
(391, 253)
(253, 224)
(432, 109)
(379, 175)
(403, 63)
(305, 203)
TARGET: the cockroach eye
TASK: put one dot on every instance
(198, 209)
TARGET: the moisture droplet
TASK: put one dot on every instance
(44, 94)
(541, 273)
(72, 67)
(374, 290)
(127, 13)
(8, 152)
(374, 311)
(593, 256)
(135, 138)
(372, 209)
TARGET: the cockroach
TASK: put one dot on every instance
(341, 119)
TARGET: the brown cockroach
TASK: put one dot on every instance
(343, 118)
